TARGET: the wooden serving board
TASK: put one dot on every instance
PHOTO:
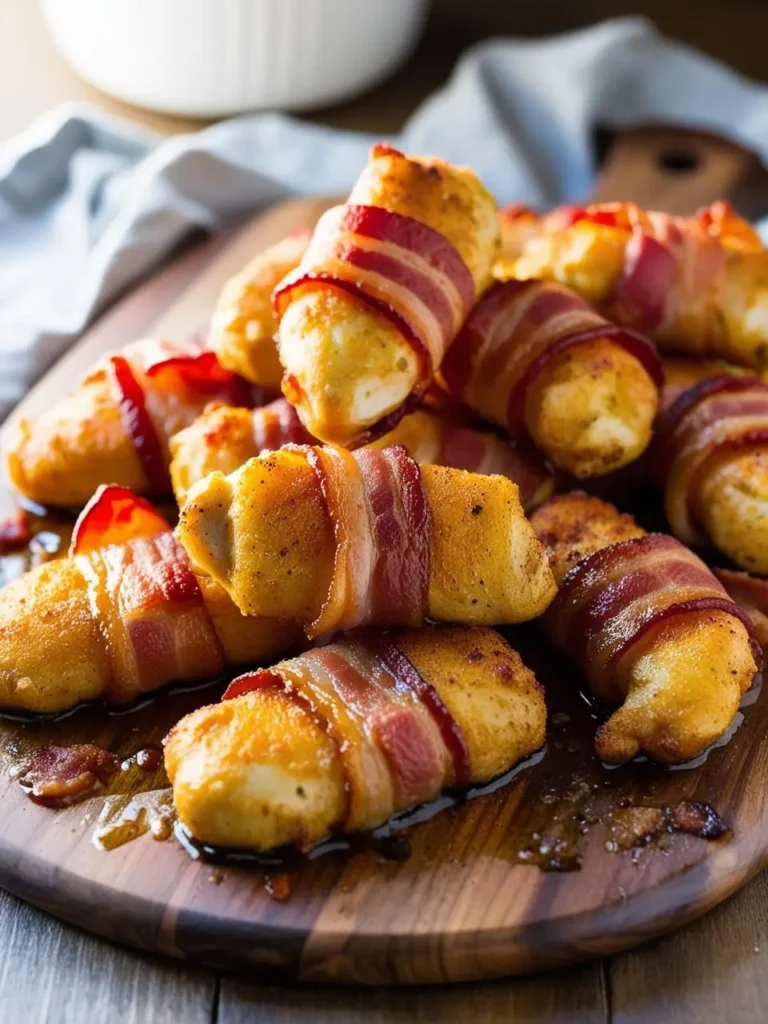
(556, 865)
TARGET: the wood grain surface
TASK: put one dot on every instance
(468, 903)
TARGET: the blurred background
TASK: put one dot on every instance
(114, 44)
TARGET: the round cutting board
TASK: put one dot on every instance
(566, 860)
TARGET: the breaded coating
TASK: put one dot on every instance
(263, 770)
(243, 326)
(731, 499)
(591, 408)
(264, 533)
(682, 684)
(65, 453)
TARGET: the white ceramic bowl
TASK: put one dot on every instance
(210, 58)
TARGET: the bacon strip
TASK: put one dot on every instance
(191, 365)
(144, 595)
(403, 670)
(514, 331)
(479, 451)
(278, 424)
(610, 599)
(138, 424)
(717, 415)
(751, 594)
(382, 524)
(674, 268)
(401, 267)
(114, 515)
(385, 719)
(59, 776)
(15, 530)
(152, 382)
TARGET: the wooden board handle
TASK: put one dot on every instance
(672, 169)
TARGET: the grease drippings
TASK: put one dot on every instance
(125, 818)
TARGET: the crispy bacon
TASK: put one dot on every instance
(398, 744)
(610, 599)
(278, 424)
(674, 268)
(114, 515)
(716, 415)
(152, 377)
(401, 267)
(198, 369)
(513, 332)
(138, 423)
(382, 525)
(58, 776)
(751, 594)
(144, 595)
(479, 451)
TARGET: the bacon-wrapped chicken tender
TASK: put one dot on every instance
(651, 628)
(225, 437)
(534, 358)
(695, 284)
(709, 459)
(344, 736)
(116, 427)
(243, 327)
(385, 285)
(124, 614)
(337, 539)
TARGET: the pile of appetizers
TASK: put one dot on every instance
(458, 384)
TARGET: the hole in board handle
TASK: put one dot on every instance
(678, 161)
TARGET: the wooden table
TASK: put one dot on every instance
(714, 970)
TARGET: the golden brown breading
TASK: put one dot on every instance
(731, 500)
(572, 526)
(65, 453)
(52, 652)
(243, 326)
(686, 676)
(591, 408)
(265, 535)
(260, 770)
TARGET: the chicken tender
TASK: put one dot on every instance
(122, 615)
(534, 358)
(698, 285)
(243, 326)
(281, 536)
(710, 460)
(651, 628)
(115, 428)
(382, 290)
(324, 742)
